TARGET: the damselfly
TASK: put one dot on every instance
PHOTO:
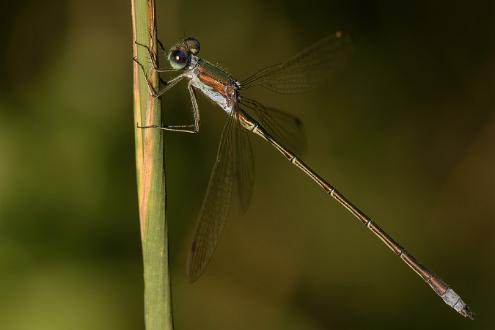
(234, 163)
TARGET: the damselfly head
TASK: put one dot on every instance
(179, 55)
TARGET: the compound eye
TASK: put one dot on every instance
(178, 59)
(193, 45)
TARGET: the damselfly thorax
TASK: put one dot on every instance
(216, 84)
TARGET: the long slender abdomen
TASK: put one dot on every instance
(449, 296)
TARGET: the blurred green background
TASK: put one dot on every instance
(407, 132)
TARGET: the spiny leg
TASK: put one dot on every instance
(169, 84)
(194, 103)
(153, 57)
(173, 128)
(160, 44)
(154, 60)
(194, 128)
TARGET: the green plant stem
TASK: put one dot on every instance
(150, 175)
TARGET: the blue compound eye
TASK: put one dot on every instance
(178, 59)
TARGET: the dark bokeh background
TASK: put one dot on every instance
(407, 132)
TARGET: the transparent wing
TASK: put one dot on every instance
(215, 205)
(234, 163)
(286, 128)
(306, 70)
(244, 166)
